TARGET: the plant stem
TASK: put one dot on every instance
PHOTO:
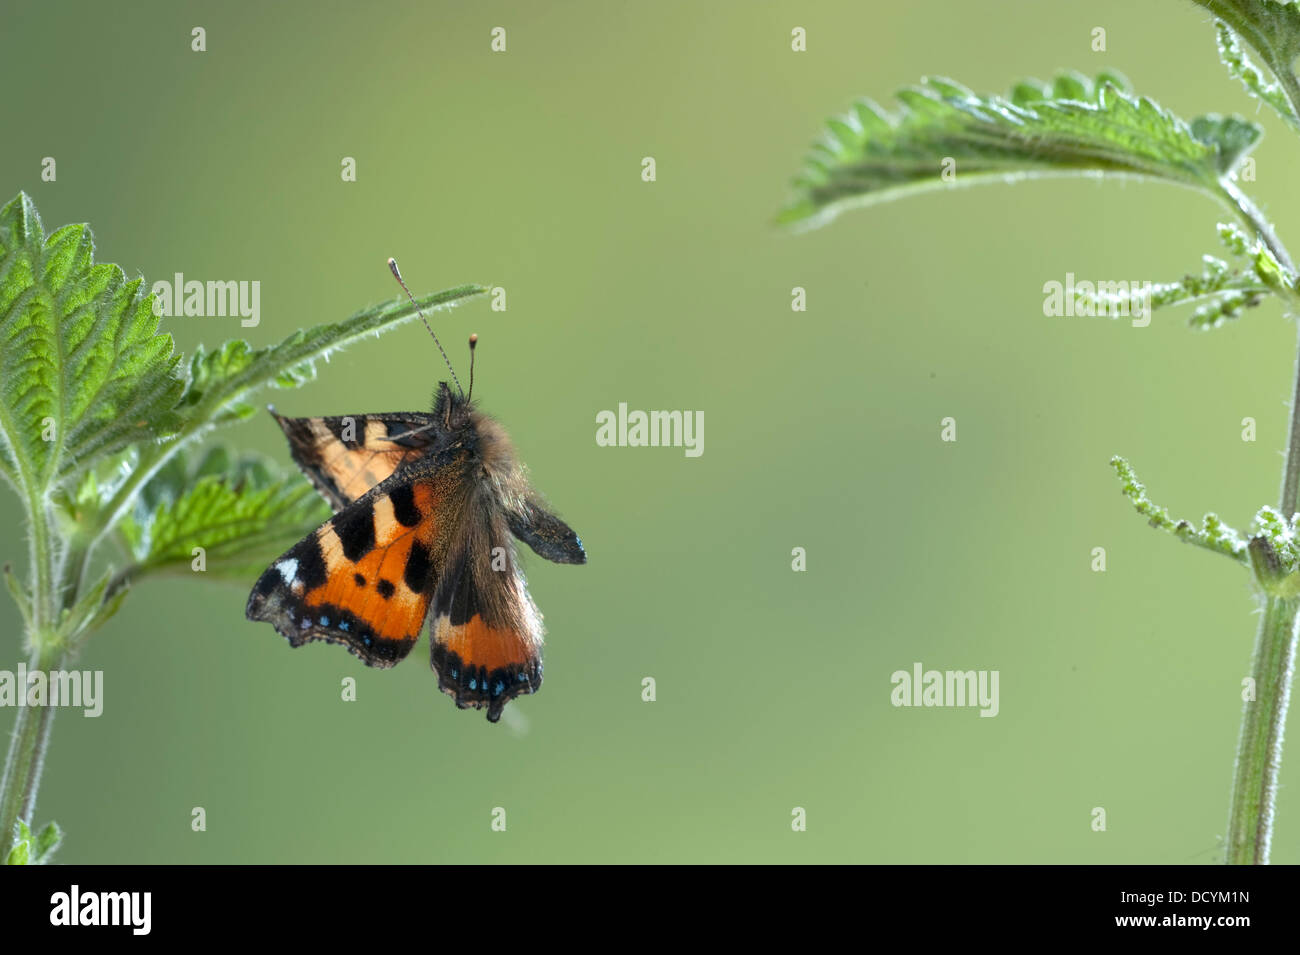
(22, 776)
(1291, 471)
(1259, 748)
(1253, 218)
(41, 580)
(31, 736)
(1259, 753)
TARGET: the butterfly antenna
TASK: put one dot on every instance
(473, 340)
(392, 265)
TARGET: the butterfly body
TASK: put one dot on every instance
(427, 508)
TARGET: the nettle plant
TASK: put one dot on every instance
(944, 134)
(106, 438)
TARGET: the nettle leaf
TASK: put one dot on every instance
(241, 512)
(1241, 67)
(33, 850)
(20, 854)
(46, 842)
(1074, 125)
(209, 367)
(83, 369)
(219, 382)
(221, 379)
(1275, 553)
(1272, 29)
(19, 594)
(1229, 137)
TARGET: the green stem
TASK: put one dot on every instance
(151, 460)
(1291, 471)
(1259, 749)
(74, 562)
(31, 736)
(42, 576)
(22, 776)
(1259, 753)
(1251, 216)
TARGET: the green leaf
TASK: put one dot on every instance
(242, 513)
(87, 608)
(92, 609)
(111, 604)
(219, 381)
(20, 854)
(206, 368)
(19, 594)
(83, 370)
(1241, 67)
(1268, 270)
(1073, 126)
(1213, 534)
(1229, 138)
(1275, 553)
(1272, 274)
(1280, 532)
(1272, 29)
(49, 839)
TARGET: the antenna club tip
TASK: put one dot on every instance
(392, 265)
(473, 340)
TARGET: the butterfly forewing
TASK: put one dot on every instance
(364, 578)
(346, 455)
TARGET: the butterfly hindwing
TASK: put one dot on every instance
(364, 578)
(346, 455)
(486, 636)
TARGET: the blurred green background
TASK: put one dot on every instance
(1118, 689)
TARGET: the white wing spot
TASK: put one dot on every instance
(288, 569)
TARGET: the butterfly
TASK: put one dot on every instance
(427, 508)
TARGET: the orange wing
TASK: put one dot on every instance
(346, 456)
(486, 637)
(365, 577)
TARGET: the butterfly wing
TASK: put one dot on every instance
(486, 636)
(364, 578)
(345, 456)
(545, 533)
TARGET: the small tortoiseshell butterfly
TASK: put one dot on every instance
(425, 509)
